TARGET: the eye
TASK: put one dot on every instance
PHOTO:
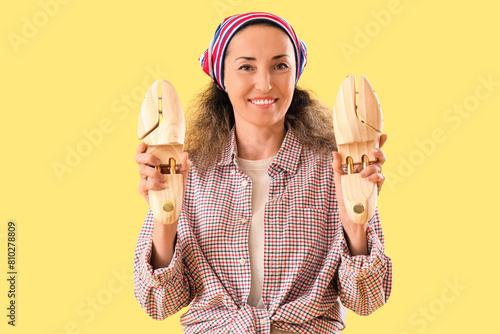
(282, 66)
(245, 67)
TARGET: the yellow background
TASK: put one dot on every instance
(71, 76)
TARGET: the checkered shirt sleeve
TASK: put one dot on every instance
(164, 291)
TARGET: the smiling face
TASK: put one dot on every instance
(259, 75)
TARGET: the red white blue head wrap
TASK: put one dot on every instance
(212, 60)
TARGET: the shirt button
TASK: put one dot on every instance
(263, 321)
(233, 172)
(244, 183)
(243, 261)
(244, 220)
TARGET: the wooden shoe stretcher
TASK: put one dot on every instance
(357, 122)
(162, 127)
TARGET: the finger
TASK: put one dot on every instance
(142, 190)
(379, 187)
(147, 171)
(383, 138)
(147, 159)
(371, 169)
(376, 177)
(142, 147)
(185, 164)
(380, 183)
(380, 155)
(150, 184)
(337, 164)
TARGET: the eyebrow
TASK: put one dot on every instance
(252, 58)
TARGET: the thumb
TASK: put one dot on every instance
(337, 164)
(185, 163)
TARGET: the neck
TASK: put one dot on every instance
(257, 143)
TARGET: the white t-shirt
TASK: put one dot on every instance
(257, 172)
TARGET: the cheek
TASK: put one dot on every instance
(236, 98)
(287, 82)
(289, 91)
(237, 92)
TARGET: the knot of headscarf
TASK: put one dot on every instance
(212, 59)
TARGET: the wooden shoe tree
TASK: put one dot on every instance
(161, 125)
(357, 122)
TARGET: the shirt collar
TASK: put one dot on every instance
(287, 158)
(230, 152)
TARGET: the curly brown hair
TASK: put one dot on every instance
(211, 119)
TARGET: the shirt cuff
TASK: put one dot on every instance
(160, 277)
(363, 265)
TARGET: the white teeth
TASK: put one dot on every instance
(263, 101)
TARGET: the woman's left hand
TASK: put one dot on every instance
(373, 172)
(356, 233)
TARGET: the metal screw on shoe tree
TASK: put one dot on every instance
(358, 208)
(168, 206)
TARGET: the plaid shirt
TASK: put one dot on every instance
(309, 276)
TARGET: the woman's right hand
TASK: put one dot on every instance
(151, 178)
(164, 235)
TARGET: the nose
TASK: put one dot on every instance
(263, 81)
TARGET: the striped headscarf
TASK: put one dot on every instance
(212, 59)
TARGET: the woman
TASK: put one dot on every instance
(263, 243)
